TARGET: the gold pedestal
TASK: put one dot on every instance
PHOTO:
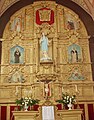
(69, 114)
(26, 115)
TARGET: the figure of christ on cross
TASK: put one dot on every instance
(46, 89)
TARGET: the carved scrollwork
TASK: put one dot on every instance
(47, 77)
(46, 28)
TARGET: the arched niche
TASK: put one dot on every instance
(17, 55)
(74, 53)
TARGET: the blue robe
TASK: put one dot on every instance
(44, 43)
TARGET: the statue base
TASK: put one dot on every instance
(46, 60)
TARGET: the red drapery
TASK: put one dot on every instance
(11, 114)
(3, 112)
(91, 111)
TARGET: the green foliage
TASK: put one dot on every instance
(19, 102)
(33, 102)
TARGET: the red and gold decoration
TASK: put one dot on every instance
(44, 15)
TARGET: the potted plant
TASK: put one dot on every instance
(26, 102)
(67, 99)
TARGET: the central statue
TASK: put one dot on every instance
(44, 42)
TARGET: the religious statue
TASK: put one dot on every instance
(44, 47)
(16, 25)
(74, 53)
(17, 55)
(70, 25)
(46, 89)
(74, 56)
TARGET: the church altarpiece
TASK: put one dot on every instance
(45, 46)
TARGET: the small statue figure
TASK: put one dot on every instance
(74, 55)
(46, 89)
(17, 55)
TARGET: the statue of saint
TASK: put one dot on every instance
(18, 26)
(74, 55)
(70, 25)
(17, 55)
(44, 47)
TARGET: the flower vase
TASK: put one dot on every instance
(26, 107)
(69, 106)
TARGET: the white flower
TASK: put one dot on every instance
(72, 96)
(67, 96)
(26, 98)
(26, 102)
(64, 97)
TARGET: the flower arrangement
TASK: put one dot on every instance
(26, 102)
(66, 99)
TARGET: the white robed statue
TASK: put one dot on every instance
(44, 47)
